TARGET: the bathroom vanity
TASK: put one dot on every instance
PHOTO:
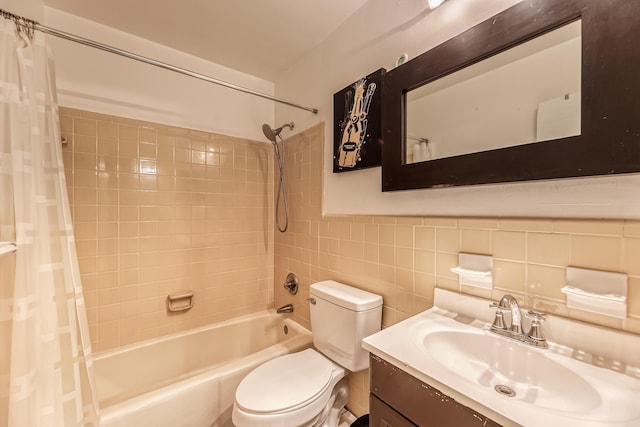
(398, 399)
(444, 367)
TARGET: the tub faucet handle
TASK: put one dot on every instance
(291, 284)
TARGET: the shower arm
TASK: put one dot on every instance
(286, 125)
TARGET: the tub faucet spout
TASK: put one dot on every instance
(285, 309)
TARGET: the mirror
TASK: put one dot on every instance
(583, 122)
(525, 94)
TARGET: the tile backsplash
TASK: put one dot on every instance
(405, 258)
(160, 210)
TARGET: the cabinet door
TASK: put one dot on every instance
(383, 415)
(420, 403)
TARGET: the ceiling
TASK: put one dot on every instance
(257, 37)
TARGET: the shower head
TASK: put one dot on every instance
(269, 133)
(272, 134)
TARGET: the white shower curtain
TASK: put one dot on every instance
(45, 353)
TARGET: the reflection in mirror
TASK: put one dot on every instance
(526, 94)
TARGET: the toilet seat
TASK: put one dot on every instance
(285, 383)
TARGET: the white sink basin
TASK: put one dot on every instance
(493, 362)
(509, 381)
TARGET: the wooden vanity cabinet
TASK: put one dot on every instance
(398, 399)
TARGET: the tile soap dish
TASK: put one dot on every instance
(600, 292)
(475, 270)
(180, 302)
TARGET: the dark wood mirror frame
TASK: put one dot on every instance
(610, 138)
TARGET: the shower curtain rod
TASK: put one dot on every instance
(35, 25)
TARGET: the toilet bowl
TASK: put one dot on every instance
(309, 388)
(298, 389)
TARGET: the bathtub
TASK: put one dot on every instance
(189, 378)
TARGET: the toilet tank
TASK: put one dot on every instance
(341, 316)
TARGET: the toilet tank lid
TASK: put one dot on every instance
(345, 296)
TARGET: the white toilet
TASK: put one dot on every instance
(307, 388)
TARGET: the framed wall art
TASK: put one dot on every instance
(357, 119)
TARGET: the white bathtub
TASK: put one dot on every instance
(189, 378)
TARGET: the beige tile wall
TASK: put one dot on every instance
(405, 258)
(160, 210)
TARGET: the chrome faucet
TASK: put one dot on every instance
(510, 303)
(534, 337)
(285, 309)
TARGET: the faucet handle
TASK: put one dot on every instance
(498, 321)
(535, 316)
(535, 332)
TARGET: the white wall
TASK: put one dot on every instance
(377, 34)
(94, 80)
(32, 9)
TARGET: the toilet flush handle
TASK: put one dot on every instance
(312, 300)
